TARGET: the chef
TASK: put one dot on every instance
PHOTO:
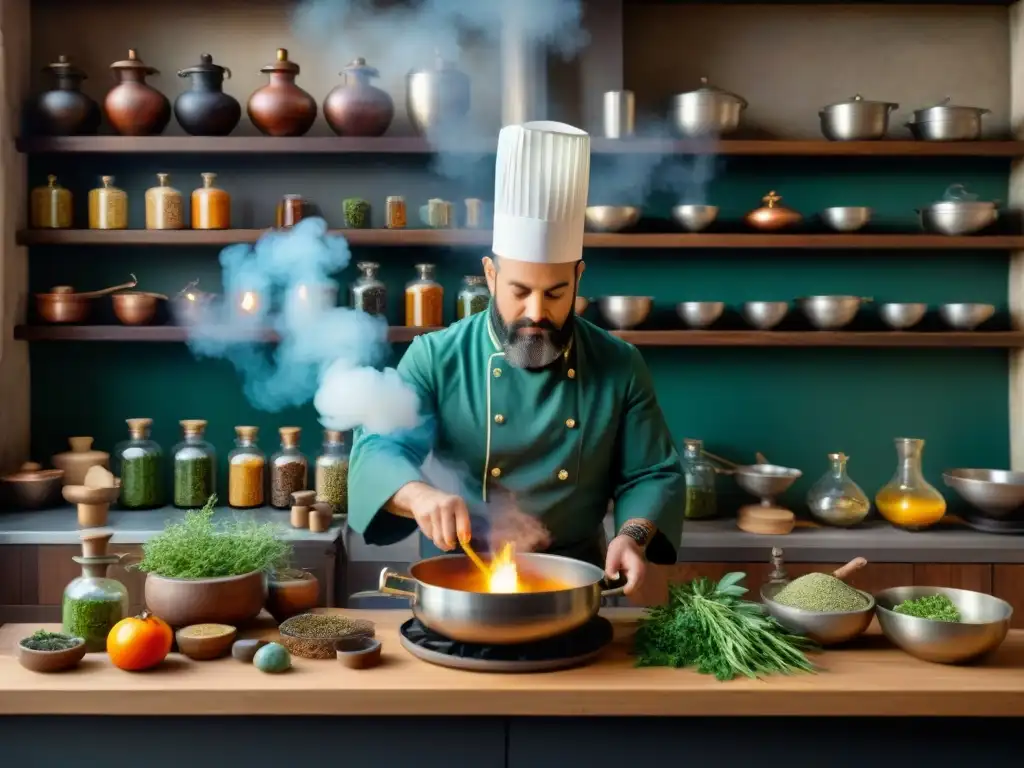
(540, 407)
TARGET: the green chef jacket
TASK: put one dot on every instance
(562, 441)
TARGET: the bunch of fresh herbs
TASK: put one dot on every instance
(934, 607)
(195, 548)
(707, 625)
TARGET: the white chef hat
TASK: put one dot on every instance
(540, 192)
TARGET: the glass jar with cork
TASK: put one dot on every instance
(701, 500)
(473, 297)
(140, 467)
(424, 299)
(211, 206)
(93, 602)
(108, 206)
(195, 466)
(289, 469)
(51, 206)
(332, 472)
(368, 292)
(246, 470)
(164, 207)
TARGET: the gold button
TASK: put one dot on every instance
(497, 373)
(572, 373)
(570, 423)
(563, 475)
(499, 419)
(495, 472)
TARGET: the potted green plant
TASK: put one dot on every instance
(198, 572)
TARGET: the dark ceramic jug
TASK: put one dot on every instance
(204, 109)
(134, 108)
(281, 108)
(64, 111)
(356, 108)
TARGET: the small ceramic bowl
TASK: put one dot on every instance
(32, 487)
(358, 652)
(51, 661)
(202, 642)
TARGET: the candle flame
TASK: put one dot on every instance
(249, 302)
(504, 577)
(190, 296)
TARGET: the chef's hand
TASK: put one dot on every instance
(443, 518)
(626, 558)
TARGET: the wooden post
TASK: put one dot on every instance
(1016, 203)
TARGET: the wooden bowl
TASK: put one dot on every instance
(33, 488)
(51, 661)
(135, 307)
(291, 593)
(358, 652)
(202, 642)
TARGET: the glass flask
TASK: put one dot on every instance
(835, 499)
(908, 500)
(93, 603)
(195, 467)
(289, 470)
(424, 299)
(246, 468)
(140, 467)
(332, 472)
(700, 482)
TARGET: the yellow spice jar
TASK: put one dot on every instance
(51, 206)
(164, 208)
(108, 206)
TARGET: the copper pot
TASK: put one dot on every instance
(133, 107)
(772, 216)
(63, 305)
(136, 307)
(357, 108)
(281, 108)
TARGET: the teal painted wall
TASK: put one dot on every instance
(795, 405)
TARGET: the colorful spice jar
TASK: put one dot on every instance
(424, 299)
(93, 603)
(473, 297)
(108, 206)
(246, 470)
(51, 206)
(164, 207)
(289, 469)
(211, 207)
(357, 213)
(332, 472)
(195, 466)
(140, 467)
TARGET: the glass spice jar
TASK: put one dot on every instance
(473, 297)
(701, 499)
(93, 602)
(108, 206)
(357, 213)
(211, 207)
(332, 472)
(164, 207)
(368, 293)
(140, 467)
(908, 500)
(246, 465)
(195, 466)
(51, 206)
(394, 212)
(289, 470)
(474, 213)
(835, 499)
(291, 210)
(424, 299)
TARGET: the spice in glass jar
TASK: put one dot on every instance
(211, 207)
(194, 466)
(289, 470)
(108, 206)
(246, 465)
(357, 213)
(424, 299)
(368, 293)
(395, 212)
(164, 207)
(51, 206)
(332, 472)
(474, 296)
(291, 210)
(139, 462)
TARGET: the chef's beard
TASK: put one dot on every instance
(532, 351)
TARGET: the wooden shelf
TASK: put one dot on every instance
(315, 145)
(479, 237)
(671, 338)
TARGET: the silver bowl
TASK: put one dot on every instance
(986, 620)
(612, 218)
(966, 317)
(995, 492)
(694, 218)
(765, 315)
(700, 314)
(900, 316)
(766, 481)
(829, 313)
(958, 217)
(848, 218)
(625, 312)
(829, 628)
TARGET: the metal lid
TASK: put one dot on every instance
(942, 109)
(282, 63)
(205, 65)
(63, 67)
(358, 66)
(711, 91)
(441, 66)
(858, 99)
(134, 62)
(475, 280)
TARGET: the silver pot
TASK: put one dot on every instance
(856, 119)
(958, 213)
(946, 122)
(500, 619)
(707, 111)
(436, 97)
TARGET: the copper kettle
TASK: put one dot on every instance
(772, 216)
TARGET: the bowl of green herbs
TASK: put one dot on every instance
(44, 651)
(820, 606)
(941, 624)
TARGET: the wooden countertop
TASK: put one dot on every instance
(871, 679)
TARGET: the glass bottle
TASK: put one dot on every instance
(424, 299)
(51, 206)
(93, 602)
(291, 210)
(164, 207)
(473, 297)
(195, 466)
(701, 499)
(246, 465)
(394, 212)
(332, 472)
(835, 499)
(108, 206)
(211, 206)
(908, 500)
(289, 470)
(139, 465)
(368, 292)
(357, 213)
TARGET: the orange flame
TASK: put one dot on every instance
(504, 577)
(249, 302)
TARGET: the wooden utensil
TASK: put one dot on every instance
(844, 572)
(471, 553)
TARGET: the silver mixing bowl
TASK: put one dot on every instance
(694, 218)
(612, 218)
(848, 218)
(958, 217)
(966, 317)
(995, 492)
(985, 622)
(766, 481)
(900, 316)
(829, 628)
(829, 313)
(625, 312)
(764, 315)
(700, 314)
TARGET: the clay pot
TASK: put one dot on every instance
(32, 487)
(281, 108)
(79, 460)
(134, 108)
(230, 600)
(291, 593)
(65, 110)
(356, 108)
(204, 109)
